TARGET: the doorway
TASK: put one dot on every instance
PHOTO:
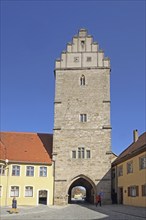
(43, 197)
(120, 195)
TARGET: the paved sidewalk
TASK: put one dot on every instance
(75, 212)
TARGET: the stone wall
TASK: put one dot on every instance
(82, 59)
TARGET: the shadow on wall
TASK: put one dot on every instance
(47, 140)
(104, 188)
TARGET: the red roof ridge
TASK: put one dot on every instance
(133, 148)
(21, 132)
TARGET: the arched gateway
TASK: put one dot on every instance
(85, 182)
(82, 130)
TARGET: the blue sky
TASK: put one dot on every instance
(33, 35)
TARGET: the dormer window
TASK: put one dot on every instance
(82, 80)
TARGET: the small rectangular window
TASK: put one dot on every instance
(142, 162)
(28, 191)
(88, 153)
(81, 152)
(83, 117)
(82, 80)
(74, 154)
(2, 170)
(82, 43)
(130, 167)
(76, 59)
(133, 191)
(29, 171)
(15, 170)
(143, 188)
(120, 170)
(43, 171)
(88, 59)
(14, 191)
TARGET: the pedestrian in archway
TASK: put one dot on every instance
(98, 200)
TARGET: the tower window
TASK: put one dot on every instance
(88, 154)
(88, 59)
(83, 117)
(82, 43)
(74, 154)
(82, 80)
(81, 152)
(76, 59)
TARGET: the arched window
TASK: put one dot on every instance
(82, 80)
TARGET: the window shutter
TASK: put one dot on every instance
(128, 191)
(137, 191)
(142, 190)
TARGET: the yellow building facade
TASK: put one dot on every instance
(129, 174)
(26, 169)
(31, 184)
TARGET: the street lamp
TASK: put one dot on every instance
(6, 168)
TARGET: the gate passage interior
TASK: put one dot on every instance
(89, 187)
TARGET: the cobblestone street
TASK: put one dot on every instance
(76, 212)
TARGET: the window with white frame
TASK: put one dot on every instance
(82, 80)
(83, 117)
(15, 170)
(0, 191)
(43, 171)
(130, 167)
(143, 189)
(2, 170)
(29, 171)
(14, 191)
(142, 162)
(133, 191)
(28, 191)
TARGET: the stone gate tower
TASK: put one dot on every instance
(82, 130)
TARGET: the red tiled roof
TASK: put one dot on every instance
(26, 147)
(134, 148)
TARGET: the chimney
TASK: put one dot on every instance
(135, 135)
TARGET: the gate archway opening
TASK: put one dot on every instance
(84, 183)
(78, 194)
